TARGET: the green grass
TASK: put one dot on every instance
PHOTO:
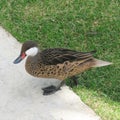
(79, 25)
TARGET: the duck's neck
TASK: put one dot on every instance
(33, 62)
(34, 59)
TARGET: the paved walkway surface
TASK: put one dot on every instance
(21, 95)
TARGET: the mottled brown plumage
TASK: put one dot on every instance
(56, 63)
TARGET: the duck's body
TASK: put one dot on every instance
(60, 67)
(56, 63)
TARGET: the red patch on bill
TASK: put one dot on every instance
(23, 55)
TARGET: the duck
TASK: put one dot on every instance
(58, 63)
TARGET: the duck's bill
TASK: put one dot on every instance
(18, 60)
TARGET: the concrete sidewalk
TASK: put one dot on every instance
(21, 95)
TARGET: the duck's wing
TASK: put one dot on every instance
(60, 55)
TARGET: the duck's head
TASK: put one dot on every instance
(29, 48)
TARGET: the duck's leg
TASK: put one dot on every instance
(75, 80)
(52, 89)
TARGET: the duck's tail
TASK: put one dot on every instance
(100, 63)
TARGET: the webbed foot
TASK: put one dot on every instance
(52, 89)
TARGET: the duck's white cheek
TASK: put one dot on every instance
(32, 51)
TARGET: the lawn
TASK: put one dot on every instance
(79, 25)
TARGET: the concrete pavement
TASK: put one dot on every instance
(21, 95)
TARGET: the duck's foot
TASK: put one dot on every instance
(52, 89)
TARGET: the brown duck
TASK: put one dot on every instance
(56, 63)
